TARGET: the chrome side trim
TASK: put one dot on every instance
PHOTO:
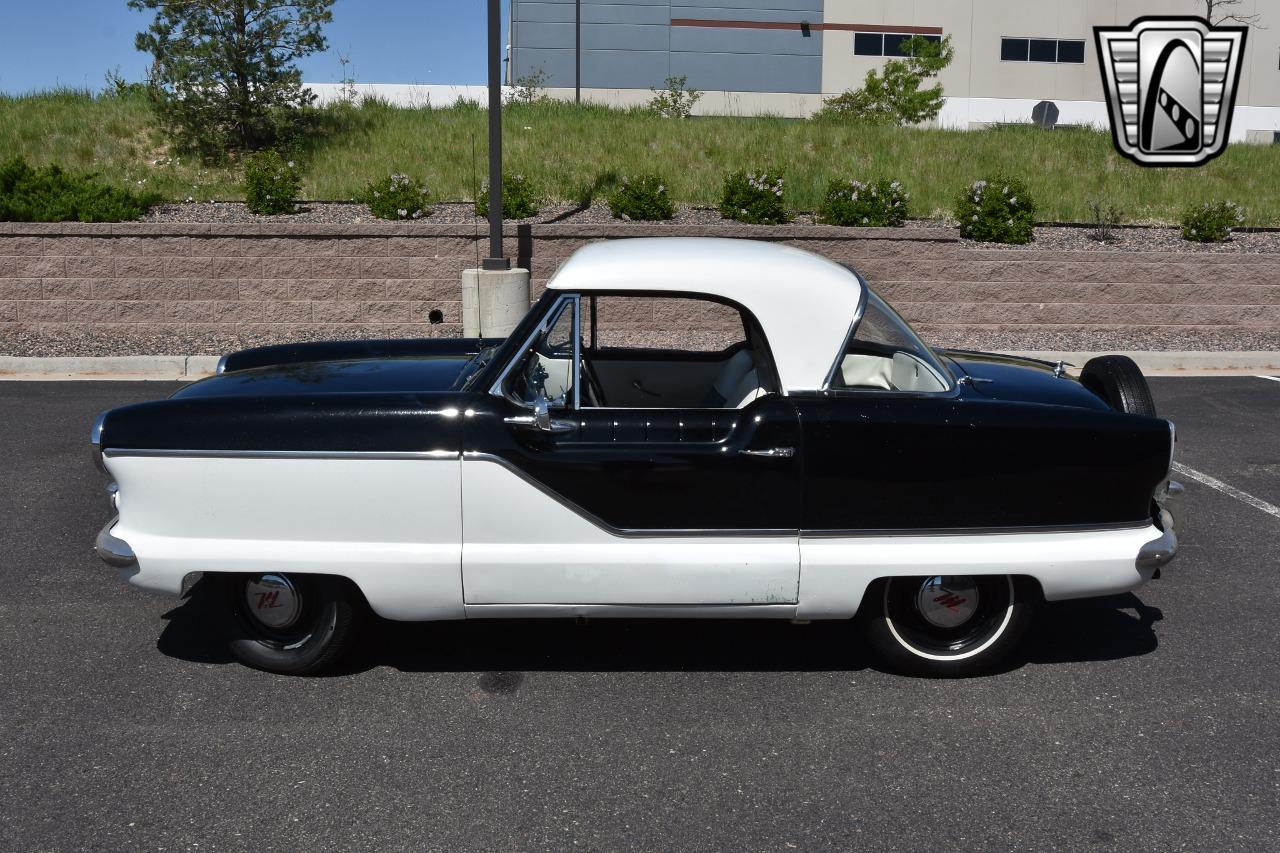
(630, 611)
(284, 454)
(972, 531)
(853, 327)
(113, 551)
(1158, 552)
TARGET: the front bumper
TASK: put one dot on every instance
(1156, 553)
(113, 551)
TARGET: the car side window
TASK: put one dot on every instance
(647, 351)
(884, 354)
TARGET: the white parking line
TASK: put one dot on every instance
(1272, 378)
(1226, 489)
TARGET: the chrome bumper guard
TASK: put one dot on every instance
(112, 551)
(1158, 552)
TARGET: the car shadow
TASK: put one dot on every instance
(1064, 632)
(1092, 629)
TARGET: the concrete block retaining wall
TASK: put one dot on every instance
(388, 279)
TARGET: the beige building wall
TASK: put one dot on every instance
(976, 27)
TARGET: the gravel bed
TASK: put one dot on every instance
(146, 342)
(1135, 238)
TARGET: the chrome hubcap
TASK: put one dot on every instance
(947, 601)
(273, 600)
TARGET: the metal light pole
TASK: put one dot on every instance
(577, 52)
(496, 260)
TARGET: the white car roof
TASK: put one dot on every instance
(805, 303)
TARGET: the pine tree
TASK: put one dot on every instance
(223, 76)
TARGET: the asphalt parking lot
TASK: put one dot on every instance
(1147, 721)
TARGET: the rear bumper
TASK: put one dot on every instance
(113, 551)
(1156, 553)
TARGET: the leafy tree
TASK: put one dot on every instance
(893, 94)
(222, 76)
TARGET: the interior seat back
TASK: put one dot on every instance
(737, 384)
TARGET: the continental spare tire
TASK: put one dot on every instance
(1119, 381)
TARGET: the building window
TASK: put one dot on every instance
(868, 44)
(1042, 50)
(884, 44)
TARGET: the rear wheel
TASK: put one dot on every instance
(290, 624)
(1119, 381)
(947, 625)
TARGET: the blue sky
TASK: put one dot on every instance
(76, 42)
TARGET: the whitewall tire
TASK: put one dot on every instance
(947, 625)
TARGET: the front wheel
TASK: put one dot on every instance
(947, 626)
(289, 624)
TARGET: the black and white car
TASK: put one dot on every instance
(779, 445)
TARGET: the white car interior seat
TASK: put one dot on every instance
(738, 383)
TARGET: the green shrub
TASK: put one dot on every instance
(755, 198)
(271, 184)
(675, 99)
(49, 194)
(643, 198)
(1211, 222)
(996, 210)
(519, 198)
(397, 197)
(879, 203)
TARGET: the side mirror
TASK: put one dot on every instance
(541, 419)
(542, 414)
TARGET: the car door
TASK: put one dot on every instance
(566, 502)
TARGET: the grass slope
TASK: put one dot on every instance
(562, 146)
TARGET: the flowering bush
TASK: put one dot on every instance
(643, 198)
(878, 203)
(755, 198)
(996, 210)
(397, 197)
(1211, 222)
(519, 198)
(271, 184)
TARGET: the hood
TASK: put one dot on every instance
(1007, 377)
(407, 375)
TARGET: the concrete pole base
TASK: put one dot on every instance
(493, 302)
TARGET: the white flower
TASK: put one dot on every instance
(403, 213)
(290, 164)
(1013, 200)
(865, 220)
(975, 217)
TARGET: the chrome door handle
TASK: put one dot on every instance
(531, 422)
(772, 452)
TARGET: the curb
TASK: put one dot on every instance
(112, 368)
(192, 367)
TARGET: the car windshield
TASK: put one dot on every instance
(474, 368)
(884, 353)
